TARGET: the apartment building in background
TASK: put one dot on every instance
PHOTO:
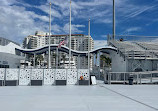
(79, 42)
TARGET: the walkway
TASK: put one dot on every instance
(79, 98)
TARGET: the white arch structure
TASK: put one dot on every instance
(106, 49)
(112, 51)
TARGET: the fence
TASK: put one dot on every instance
(47, 76)
(133, 38)
(149, 77)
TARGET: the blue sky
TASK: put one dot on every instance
(20, 18)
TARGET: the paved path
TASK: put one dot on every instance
(79, 98)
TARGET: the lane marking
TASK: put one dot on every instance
(129, 97)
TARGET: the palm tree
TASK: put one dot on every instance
(54, 56)
(39, 59)
(64, 58)
(106, 60)
(103, 59)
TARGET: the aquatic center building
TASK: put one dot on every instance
(9, 57)
(126, 56)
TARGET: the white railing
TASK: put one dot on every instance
(149, 77)
(48, 76)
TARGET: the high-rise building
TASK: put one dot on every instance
(79, 42)
(35, 41)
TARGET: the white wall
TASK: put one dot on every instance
(8, 55)
(118, 63)
(12, 60)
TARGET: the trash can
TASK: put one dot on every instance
(130, 80)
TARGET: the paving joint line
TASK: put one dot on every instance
(129, 97)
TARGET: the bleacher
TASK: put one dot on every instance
(127, 46)
(131, 46)
(136, 49)
(148, 45)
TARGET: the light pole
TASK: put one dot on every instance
(70, 39)
(49, 60)
(113, 19)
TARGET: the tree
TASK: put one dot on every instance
(39, 59)
(103, 59)
(54, 56)
(63, 58)
(106, 60)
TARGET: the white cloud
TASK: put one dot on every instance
(95, 3)
(54, 12)
(74, 28)
(18, 22)
(106, 20)
(104, 36)
(7, 2)
(99, 43)
(133, 29)
(64, 7)
(133, 12)
(57, 29)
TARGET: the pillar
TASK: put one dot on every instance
(34, 64)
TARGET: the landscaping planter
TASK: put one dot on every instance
(83, 82)
(36, 82)
(60, 82)
(11, 82)
(1, 82)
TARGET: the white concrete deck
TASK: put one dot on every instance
(79, 98)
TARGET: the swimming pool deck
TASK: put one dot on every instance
(100, 97)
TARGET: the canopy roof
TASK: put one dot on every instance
(65, 49)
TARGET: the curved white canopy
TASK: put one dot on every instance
(41, 50)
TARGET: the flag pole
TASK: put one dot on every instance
(49, 60)
(89, 45)
(114, 20)
(70, 39)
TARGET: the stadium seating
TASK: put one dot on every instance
(148, 45)
(137, 49)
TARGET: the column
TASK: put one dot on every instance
(78, 62)
(25, 60)
(34, 64)
(56, 57)
(99, 64)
